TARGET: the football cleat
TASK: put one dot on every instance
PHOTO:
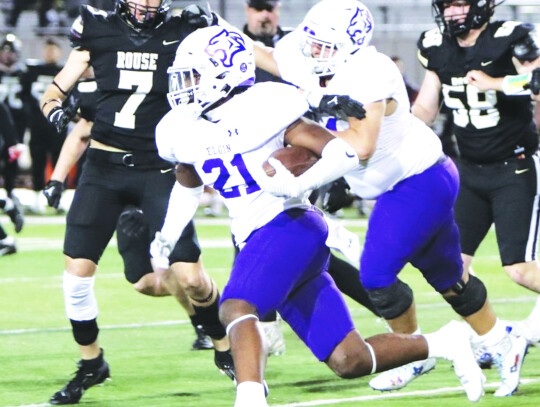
(83, 380)
(400, 377)
(529, 328)
(483, 357)
(225, 364)
(16, 215)
(202, 341)
(508, 358)
(462, 357)
(274, 337)
(7, 246)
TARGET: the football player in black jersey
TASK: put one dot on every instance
(130, 50)
(467, 58)
(11, 80)
(45, 143)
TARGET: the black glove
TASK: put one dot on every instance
(341, 106)
(337, 196)
(198, 17)
(60, 117)
(53, 192)
(535, 81)
(131, 222)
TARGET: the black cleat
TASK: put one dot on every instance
(16, 216)
(202, 342)
(225, 364)
(7, 246)
(83, 380)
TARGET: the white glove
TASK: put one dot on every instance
(160, 250)
(283, 183)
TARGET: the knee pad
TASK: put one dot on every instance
(208, 318)
(84, 332)
(469, 297)
(79, 299)
(392, 301)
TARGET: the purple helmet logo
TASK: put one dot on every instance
(224, 46)
(360, 26)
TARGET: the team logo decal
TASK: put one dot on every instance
(360, 26)
(224, 46)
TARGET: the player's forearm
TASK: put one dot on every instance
(426, 115)
(265, 60)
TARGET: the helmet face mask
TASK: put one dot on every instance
(334, 30)
(142, 16)
(479, 13)
(209, 64)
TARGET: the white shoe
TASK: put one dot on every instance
(528, 328)
(461, 355)
(274, 337)
(508, 357)
(343, 240)
(400, 377)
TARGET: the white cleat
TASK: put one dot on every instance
(508, 359)
(461, 355)
(274, 337)
(528, 328)
(400, 377)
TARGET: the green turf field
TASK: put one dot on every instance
(147, 340)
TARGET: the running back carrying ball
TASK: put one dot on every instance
(296, 159)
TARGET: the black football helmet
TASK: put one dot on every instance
(480, 12)
(140, 16)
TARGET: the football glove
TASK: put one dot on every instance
(53, 192)
(336, 196)
(131, 222)
(160, 250)
(198, 17)
(339, 106)
(60, 117)
(535, 81)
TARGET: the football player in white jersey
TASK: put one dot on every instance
(404, 169)
(216, 138)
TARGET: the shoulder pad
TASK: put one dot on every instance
(87, 16)
(527, 47)
(428, 41)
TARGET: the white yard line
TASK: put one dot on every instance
(397, 395)
(374, 397)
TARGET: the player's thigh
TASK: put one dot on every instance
(93, 214)
(472, 211)
(403, 222)
(317, 313)
(516, 212)
(277, 259)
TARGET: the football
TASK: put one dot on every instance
(296, 159)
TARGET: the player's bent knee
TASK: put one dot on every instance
(232, 309)
(525, 274)
(393, 300)
(351, 358)
(81, 307)
(466, 298)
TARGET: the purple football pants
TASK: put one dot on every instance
(283, 267)
(414, 223)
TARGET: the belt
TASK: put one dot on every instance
(136, 159)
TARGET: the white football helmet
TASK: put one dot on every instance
(334, 29)
(209, 64)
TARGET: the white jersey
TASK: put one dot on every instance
(405, 145)
(229, 146)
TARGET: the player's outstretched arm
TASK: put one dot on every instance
(183, 203)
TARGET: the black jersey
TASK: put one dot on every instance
(489, 126)
(86, 95)
(11, 84)
(130, 68)
(38, 76)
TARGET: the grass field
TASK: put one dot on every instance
(147, 340)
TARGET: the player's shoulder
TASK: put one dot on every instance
(274, 93)
(175, 144)
(90, 22)
(434, 48)
(508, 30)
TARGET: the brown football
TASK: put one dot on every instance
(296, 159)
